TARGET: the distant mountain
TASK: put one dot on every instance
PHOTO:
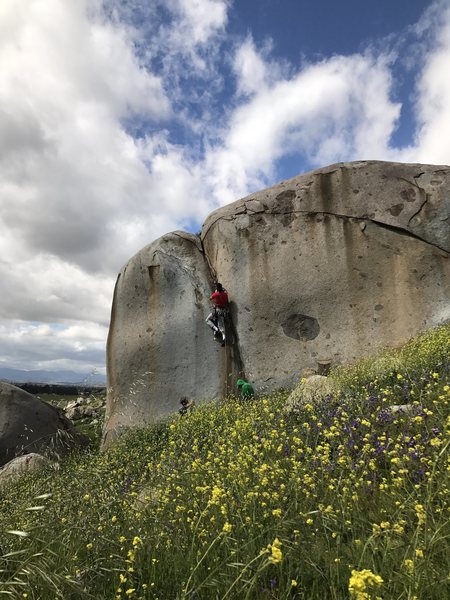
(19, 376)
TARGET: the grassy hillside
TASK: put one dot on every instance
(344, 499)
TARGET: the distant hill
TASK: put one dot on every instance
(54, 377)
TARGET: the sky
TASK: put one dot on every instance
(122, 120)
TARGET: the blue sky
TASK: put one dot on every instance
(123, 120)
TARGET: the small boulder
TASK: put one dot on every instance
(22, 464)
(410, 410)
(310, 391)
(75, 413)
(27, 424)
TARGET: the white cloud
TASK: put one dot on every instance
(67, 165)
(338, 109)
(200, 19)
(45, 288)
(31, 346)
(433, 91)
(253, 69)
(73, 182)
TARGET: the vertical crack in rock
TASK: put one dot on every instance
(232, 365)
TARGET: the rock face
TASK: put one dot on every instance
(333, 264)
(28, 425)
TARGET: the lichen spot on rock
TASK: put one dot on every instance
(301, 327)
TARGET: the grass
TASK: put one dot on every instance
(343, 499)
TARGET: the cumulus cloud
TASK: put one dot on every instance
(253, 67)
(199, 19)
(338, 109)
(79, 193)
(71, 166)
(30, 346)
(433, 90)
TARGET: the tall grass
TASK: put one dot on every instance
(343, 499)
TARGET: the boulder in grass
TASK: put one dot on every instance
(313, 390)
(324, 268)
(22, 464)
(27, 424)
(410, 410)
(75, 413)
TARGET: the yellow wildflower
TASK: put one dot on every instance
(360, 583)
(420, 513)
(409, 565)
(276, 556)
(227, 527)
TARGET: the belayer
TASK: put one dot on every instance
(246, 389)
(216, 318)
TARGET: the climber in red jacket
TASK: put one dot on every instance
(216, 318)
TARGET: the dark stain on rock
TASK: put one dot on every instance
(378, 307)
(326, 188)
(409, 195)
(198, 298)
(286, 218)
(301, 327)
(286, 196)
(396, 209)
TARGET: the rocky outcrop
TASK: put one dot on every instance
(330, 265)
(29, 425)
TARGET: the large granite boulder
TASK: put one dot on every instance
(29, 425)
(330, 265)
(334, 264)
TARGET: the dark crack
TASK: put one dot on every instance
(419, 210)
(414, 183)
(197, 242)
(399, 230)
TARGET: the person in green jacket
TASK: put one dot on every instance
(246, 389)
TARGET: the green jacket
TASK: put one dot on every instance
(246, 388)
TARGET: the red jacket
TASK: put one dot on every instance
(220, 299)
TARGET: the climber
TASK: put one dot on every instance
(246, 389)
(186, 405)
(216, 318)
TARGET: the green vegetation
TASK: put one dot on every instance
(345, 499)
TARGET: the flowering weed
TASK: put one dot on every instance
(348, 498)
